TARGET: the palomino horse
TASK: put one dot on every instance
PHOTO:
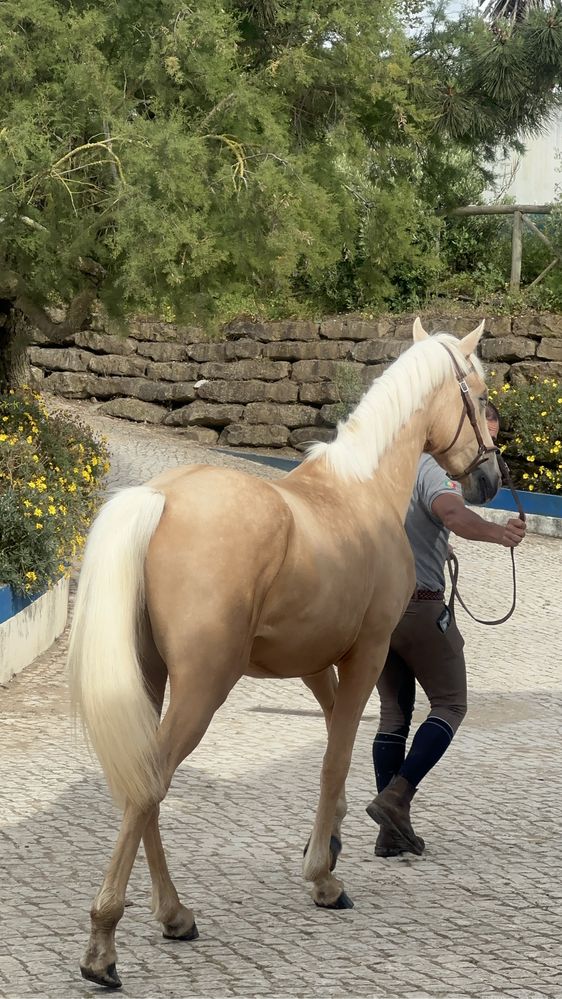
(205, 575)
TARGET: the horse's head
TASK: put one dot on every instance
(458, 434)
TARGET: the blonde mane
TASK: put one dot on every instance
(387, 406)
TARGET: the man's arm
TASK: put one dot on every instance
(456, 517)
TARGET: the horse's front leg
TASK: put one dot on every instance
(324, 686)
(358, 673)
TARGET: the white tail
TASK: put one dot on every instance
(107, 686)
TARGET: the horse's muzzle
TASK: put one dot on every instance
(483, 483)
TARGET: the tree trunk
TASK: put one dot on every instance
(14, 339)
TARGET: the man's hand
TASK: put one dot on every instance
(512, 534)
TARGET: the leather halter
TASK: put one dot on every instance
(469, 411)
(481, 456)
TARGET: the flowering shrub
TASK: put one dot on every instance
(531, 434)
(51, 470)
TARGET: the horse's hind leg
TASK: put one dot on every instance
(178, 923)
(324, 687)
(98, 963)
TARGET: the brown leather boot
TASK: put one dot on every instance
(391, 808)
(390, 844)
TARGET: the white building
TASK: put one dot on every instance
(536, 177)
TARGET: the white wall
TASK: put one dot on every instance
(536, 177)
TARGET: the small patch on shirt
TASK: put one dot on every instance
(452, 485)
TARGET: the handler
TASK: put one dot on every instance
(426, 646)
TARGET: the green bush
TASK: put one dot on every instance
(51, 472)
(531, 434)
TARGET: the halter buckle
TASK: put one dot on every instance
(463, 386)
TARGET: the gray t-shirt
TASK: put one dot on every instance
(427, 534)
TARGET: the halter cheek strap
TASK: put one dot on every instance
(469, 411)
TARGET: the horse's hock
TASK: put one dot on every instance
(271, 384)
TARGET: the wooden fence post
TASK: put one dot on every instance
(516, 252)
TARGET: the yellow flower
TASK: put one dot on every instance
(37, 512)
(72, 487)
(94, 461)
(3, 437)
(27, 503)
(543, 412)
(531, 487)
(29, 439)
(530, 457)
(52, 509)
(31, 575)
(39, 527)
(505, 388)
(31, 484)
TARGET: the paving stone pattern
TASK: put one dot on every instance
(479, 915)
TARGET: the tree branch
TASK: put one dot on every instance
(77, 313)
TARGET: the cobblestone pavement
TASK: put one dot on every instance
(479, 915)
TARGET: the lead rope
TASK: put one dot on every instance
(453, 562)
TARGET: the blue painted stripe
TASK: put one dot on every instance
(12, 603)
(543, 504)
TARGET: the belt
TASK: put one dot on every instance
(428, 595)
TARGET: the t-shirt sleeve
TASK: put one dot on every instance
(432, 482)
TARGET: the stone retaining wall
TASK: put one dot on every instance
(275, 384)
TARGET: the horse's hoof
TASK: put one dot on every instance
(108, 977)
(343, 901)
(192, 934)
(335, 850)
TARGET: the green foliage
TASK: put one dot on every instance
(51, 471)
(532, 433)
(288, 156)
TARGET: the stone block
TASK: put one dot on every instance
(320, 371)
(254, 435)
(59, 358)
(302, 438)
(261, 370)
(250, 391)
(335, 412)
(201, 435)
(133, 409)
(206, 351)
(72, 384)
(206, 414)
(323, 350)
(528, 371)
(319, 392)
(300, 329)
(538, 325)
(116, 364)
(498, 326)
(379, 350)
(509, 348)
(496, 374)
(239, 350)
(163, 351)
(288, 416)
(172, 391)
(145, 328)
(550, 350)
(104, 343)
(355, 328)
(173, 371)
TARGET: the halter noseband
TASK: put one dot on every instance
(468, 411)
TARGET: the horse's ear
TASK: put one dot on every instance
(419, 332)
(469, 343)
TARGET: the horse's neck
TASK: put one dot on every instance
(392, 482)
(397, 469)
